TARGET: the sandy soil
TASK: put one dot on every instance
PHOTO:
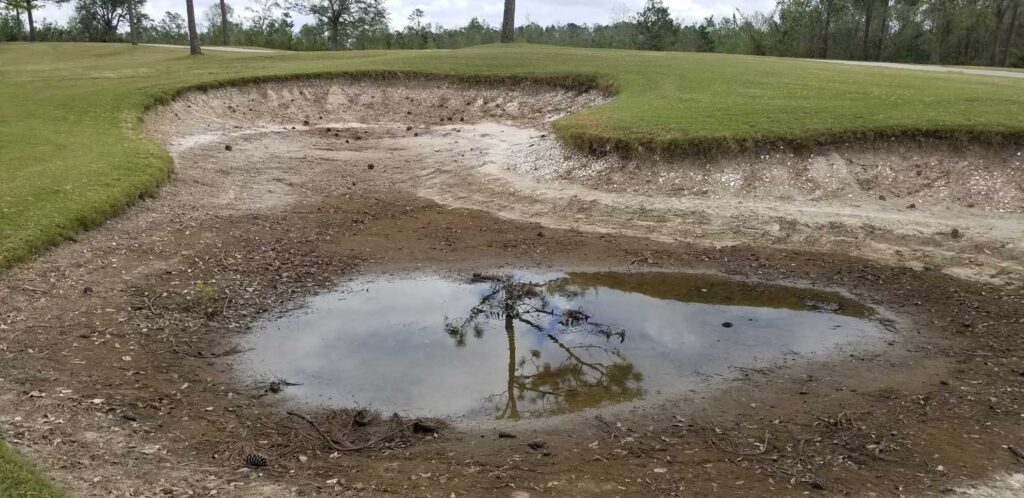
(116, 349)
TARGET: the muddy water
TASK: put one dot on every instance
(559, 342)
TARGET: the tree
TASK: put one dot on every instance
(705, 43)
(193, 33)
(655, 26)
(580, 379)
(868, 7)
(341, 17)
(224, 22)
(102, 19)
(508, 22)
(29, 6)
(828, 8)
(133, 25)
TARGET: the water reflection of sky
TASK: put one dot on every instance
(382, 344)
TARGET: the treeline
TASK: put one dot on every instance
(967, 32)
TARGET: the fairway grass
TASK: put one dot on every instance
(71, 152)
(19, 479)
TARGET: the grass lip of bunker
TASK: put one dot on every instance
(561, 342)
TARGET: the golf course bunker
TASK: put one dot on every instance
(268, 146)
(561, 342)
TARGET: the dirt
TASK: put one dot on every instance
(116, 372)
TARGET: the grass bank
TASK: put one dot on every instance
(19, 479)
(71, 154)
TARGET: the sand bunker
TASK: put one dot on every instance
(491, 148)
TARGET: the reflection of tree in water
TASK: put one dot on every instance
(576, 382)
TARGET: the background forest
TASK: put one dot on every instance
(962, 32)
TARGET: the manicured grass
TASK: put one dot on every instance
(19, 479)
(71, 154)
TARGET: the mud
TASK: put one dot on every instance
(116, 351)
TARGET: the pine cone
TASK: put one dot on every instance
(256, 460)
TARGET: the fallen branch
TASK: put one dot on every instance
(334, 445)
(330, 442)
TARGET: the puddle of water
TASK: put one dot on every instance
(559, 343)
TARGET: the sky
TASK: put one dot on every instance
(454, 13)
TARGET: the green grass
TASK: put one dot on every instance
(71, 154)
(19, 479)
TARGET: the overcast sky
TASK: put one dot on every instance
(454, 13)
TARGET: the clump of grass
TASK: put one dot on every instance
(18, 478)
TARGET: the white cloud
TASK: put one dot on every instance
(453, 13)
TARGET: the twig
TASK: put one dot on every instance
(1017, 452)
(330, 442)
(373, 442)
(227, 352)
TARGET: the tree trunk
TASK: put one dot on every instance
(132, 33)
(224, 22)
(998, 16)
(511, 408)
(868, 11)
(826, 33)
(885, 30)
(508, 23)
(332, 35)
(1010, 33)
(31, 23)
(19, 26)
(193, 34)
(940, 29)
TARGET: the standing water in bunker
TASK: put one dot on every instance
(528, 345)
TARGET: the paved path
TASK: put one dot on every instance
(925, 67)
(215, 49)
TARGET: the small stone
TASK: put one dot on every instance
(369, 166)
(408, 128)
(912, 206)
(505, 435)
(536, 444)
(727, 325)
(305, 122)
(955, 233)
(228, 148)
(87, 290)
(129, 416)
(881, 198)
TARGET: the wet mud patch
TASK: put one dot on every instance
(530, 344)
